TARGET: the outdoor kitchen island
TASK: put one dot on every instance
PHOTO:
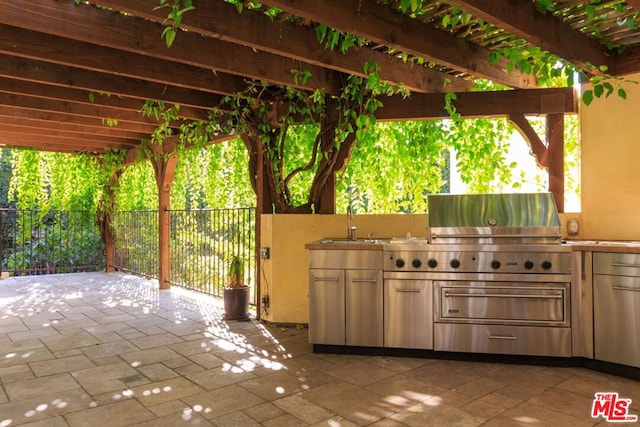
(504, 301)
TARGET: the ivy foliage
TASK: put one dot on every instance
(44, 181)
(5, 177)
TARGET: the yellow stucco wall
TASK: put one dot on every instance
(284, 276)
(610, 158)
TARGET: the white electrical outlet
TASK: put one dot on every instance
(573, 227)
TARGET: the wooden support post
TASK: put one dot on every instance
(164, 167)
(555, 136)
(550, 156)
(107, 226)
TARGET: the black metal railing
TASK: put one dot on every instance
(36, 242)
(202, 242)
(136, 242)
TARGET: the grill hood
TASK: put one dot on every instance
(494, 218)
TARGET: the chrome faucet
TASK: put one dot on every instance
(351, 231)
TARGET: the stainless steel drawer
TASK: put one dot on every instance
(618, 264)
(498, 339)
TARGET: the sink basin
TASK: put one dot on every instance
(353, 242)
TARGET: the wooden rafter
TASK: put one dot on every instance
(222, 21)
(520, 18)
(141, 38)
(59, 50)
(56, 54)
(29, 70)
(379, 24)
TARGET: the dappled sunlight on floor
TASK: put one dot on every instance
(112, 349)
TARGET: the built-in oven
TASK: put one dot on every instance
(518, 302)
(503, 317)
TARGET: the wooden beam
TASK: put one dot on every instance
(58, 50)
(49, 133)
(625, 63)
(555, 136)
(30, 70)
(20, 139)
(480, 104)
(222, 21)
(133, 35)
(70, 128)
(520, 18)
(95, 111)
(92, 124)
(78, 138)
(82, 97)
(380, 24)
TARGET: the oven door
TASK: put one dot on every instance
(512, 303)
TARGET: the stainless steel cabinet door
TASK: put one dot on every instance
(408, 317)
(364, 308)
(326, 307)
(616, 319)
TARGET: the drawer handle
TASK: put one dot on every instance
(374, 281)
(409, 291)
(624, 264)
(544, 296)
(325, 279)
(624, 288)
(501, 337)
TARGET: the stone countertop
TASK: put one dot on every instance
(378, 244)
(622, 246)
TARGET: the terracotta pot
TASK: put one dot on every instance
(236, 303)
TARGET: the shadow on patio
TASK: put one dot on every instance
(111, 349)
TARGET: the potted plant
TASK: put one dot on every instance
(236, 292)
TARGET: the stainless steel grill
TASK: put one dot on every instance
(499, 274)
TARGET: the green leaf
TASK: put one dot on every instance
(609, 87)
(404, 5)
(622, 93)
(321, 32)
(169, 35)
(494, 57)
(587, 97)
(598, 90)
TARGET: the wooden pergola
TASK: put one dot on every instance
(67, 68)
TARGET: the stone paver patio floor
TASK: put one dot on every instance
(98, 349)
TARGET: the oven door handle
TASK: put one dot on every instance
(501, 337)
(544, 296)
